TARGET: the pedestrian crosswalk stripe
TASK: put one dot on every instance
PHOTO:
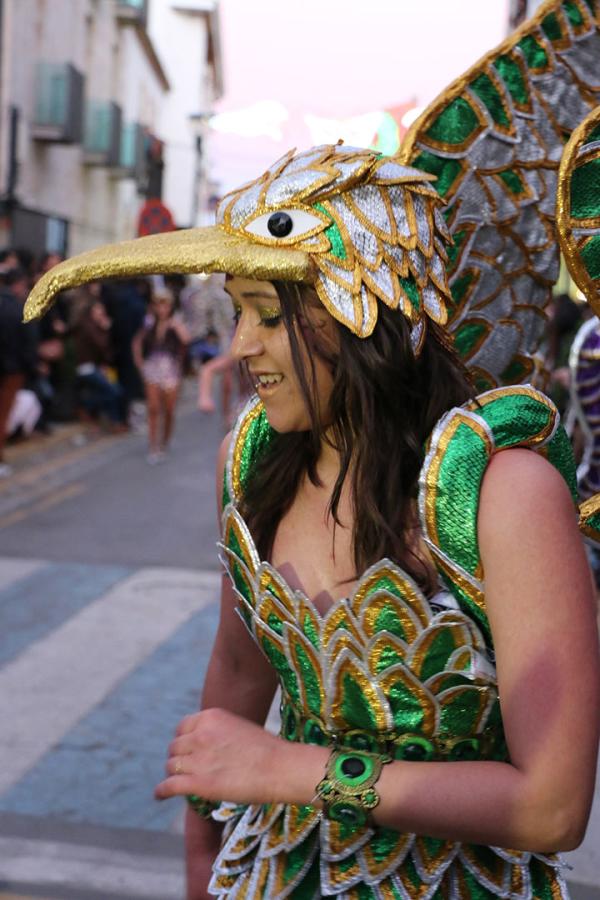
(12, 569)
(44, 598)
(104, 769)
(77, 867)
(46, 690)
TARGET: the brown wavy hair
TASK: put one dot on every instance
(384, 405)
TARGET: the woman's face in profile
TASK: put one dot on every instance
(261, 341)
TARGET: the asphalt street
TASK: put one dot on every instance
(108, 608)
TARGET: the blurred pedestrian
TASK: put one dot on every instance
(209, 322)
(18, 348)
(98, 391)
(54, 383)
(206, 317)
(126, 303)
(159, 350)
(8, 260)
(24, 414)
(226, 366)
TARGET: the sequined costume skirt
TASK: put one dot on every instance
(162, 370)
(277, 850)
(280, 850)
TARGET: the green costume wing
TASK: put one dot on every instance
(494, 140)
(578, 210)
(578, 217)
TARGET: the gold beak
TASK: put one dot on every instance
(175, 252)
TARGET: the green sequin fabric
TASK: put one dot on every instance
(579, 207)
(387, 671)
(494, 140)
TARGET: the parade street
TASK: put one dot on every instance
(108, 590)
(108, 607)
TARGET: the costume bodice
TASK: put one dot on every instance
(386, 669)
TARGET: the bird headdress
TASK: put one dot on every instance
(460, 227)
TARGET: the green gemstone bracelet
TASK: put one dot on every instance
(347, 791)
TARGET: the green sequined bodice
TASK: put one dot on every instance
(385, 670)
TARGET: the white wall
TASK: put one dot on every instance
(53, 178)
(181, 41)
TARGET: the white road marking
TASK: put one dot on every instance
(46, 689)
(91, 869)
(12, 569)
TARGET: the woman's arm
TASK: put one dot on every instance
(136, 349)
(180, 329)
(239, 680)
(540, 603)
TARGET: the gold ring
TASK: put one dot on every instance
(178, 767)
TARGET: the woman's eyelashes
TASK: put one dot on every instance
(270, 317)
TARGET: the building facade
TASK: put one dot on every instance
(186, 35)
(90, 121)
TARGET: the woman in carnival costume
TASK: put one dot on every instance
(439, 728)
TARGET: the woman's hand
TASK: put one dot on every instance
(221, 756)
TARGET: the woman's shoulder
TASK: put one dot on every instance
(520, 488)
(509, 440)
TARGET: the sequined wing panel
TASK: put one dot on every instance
(494, 140)
(579, 232)
(579, 207)
(459, 451)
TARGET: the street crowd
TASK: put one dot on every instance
(106, 347)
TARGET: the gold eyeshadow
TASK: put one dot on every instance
(270, 312)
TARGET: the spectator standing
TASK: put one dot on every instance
(18, 348)
(99, 394)
(8, 260)
(55, 379)
(159, 350)
(208, 318)
(126, 304)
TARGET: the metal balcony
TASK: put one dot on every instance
(132, 12)
(131, 161)
(102, 140)
(58, 114)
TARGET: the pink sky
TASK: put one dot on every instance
(340, 58)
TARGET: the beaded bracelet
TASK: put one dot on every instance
(202, 807)
(347, 790)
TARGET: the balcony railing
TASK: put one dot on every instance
(134, 12)
(58, 114)
(102, 141)
(131, 161)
